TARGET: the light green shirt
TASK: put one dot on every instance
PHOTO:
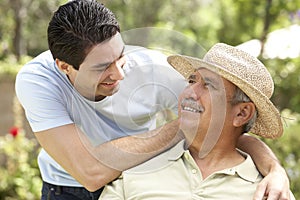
(175, 175)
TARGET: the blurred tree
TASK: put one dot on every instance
(286, 75)
(18, 20)
(19, 8)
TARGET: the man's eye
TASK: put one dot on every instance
(101, 70)
(209, 85)
(191, 81)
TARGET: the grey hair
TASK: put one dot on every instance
(238, 97)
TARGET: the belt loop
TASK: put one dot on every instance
(58, 190)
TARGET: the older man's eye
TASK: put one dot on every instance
(191, 81)
(209, 85)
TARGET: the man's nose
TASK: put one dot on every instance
(116, 71)
(193, 92)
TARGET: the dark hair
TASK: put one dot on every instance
(78, 26)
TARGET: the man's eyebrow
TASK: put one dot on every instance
(208, 79)
(192, 77)
(99, 66)
(212, 80)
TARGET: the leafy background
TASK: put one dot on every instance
(23, 25)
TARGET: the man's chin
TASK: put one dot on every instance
(114, 91)
(104, 92)
(190, 117)
(189, 123)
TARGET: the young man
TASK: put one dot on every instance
(228, 96)
(91, 102)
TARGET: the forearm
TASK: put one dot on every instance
(93, 166)
(263, 157)
(126, 152)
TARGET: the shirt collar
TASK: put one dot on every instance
(177, 151)
(246, 170)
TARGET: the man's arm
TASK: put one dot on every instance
(94, 167)
(275, 185)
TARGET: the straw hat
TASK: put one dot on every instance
(247, 73)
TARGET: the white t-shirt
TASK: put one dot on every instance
(150, 85)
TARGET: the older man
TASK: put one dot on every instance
(228, 96)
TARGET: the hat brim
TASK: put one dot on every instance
(268, 123)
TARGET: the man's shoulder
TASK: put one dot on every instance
(41, 70)
(41, 64)
(44, 58)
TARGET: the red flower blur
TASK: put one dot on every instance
(14, 131)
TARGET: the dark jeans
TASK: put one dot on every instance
(55, 192)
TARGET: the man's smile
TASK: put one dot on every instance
(188, 104)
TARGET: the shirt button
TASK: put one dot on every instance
(194, 171)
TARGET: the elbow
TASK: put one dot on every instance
(93, 181)
(92, 187)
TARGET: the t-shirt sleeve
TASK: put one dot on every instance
(42, 101)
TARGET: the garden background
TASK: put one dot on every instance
(269, 28)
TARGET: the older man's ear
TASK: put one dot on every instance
(243, 113)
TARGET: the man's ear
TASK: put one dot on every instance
(244, 112)
(63, 66)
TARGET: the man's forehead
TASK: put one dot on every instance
(105, 53)
(203, 72)
(206, 74)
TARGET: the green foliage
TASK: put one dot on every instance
(287, 82)
(20, 178)
(34, 17)
(10, 66)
